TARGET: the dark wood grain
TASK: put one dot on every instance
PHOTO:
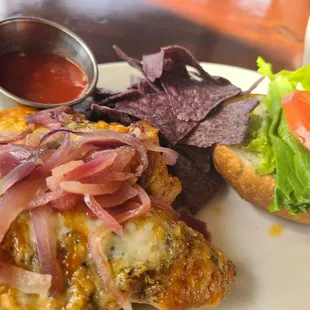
(139, 27)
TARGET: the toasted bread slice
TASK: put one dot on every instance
(237, 167)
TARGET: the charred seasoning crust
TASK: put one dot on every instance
(18, 247)
(201, 275)
(193, 273)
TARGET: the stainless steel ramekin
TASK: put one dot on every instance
(29, 34)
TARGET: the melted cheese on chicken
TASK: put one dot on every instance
(157, 261)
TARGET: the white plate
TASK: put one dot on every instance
(272, 272)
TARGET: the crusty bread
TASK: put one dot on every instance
(237, 168)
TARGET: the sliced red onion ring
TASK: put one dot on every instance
(78, 152)
(76, 187)
(44, 231)
(108, 220)
(109, 139)
(26, 281)
(58, 173)
(134, 209)
(104, 268)
(81, 170)
(125, 154)
(5, 148)
(66, 202)
(165, 206)
(65, 168)
(130, 210)
(12, 137)
(125, 193)
(88, 212)
(16, 150)
(123, 138)
(91, 167)
(109, 176)
(116, 173)
(13, 155)
(170, 156)
(52, 182)
(17, 199)
(50, 118)
(16, 175)
(59, 157)
(46, 198)
(143, 196)
(51, 133)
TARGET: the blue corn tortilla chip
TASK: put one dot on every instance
(130, 94)
(228, 125)
(168, 59)
(200, 157)
(153, 65)
(193, 100)
(157, 110)
(141, 85)
(198, 185)
(100, 94)
(135, 81)
(109, 114)
(135, 64)
(83, 108)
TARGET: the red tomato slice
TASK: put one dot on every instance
(296, 108)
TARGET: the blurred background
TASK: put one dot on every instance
(232, 32)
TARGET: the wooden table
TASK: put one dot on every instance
(232, 32)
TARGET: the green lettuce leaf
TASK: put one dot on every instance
(259, 142)
(279, 147)
(265, 68)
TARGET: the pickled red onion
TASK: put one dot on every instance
(44, 231)
(26, 281)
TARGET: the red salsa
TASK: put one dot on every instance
(41, 77)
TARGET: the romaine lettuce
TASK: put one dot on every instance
(278, 148)
(259, 142)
